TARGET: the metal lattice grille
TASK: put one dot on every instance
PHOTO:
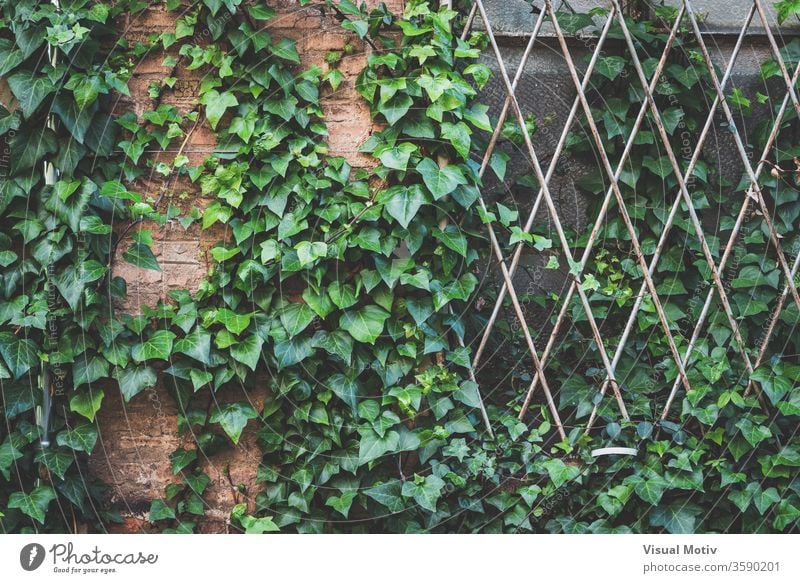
(681, 205)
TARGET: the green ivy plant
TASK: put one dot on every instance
(343, 293)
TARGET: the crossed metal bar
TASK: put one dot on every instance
(648, 284)
(754, 191)
(562, 240)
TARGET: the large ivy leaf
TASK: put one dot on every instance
(80, 438)
(34, 504)
(251, 524)
(72, 210)
(72, 280)
(58, 462)
(196, 344)
(18, 399)
(8, 455)
(775, 386)
(395, 108)
(560, 472)
(440, 181)
(372, 446)
(160, 511)
(20, 354)
(366, 324)
(336, 342)
(248, 351)
(425, 492)
(10, 56)
(233, 417)
(30, 146)
(217, 104)
(296, 317)
(30, 89)
(388, 494)
(345, 388)
(397, 157)
(453, 238)
(87, 403)
(651, 489)
(134, 379)
(86, 371)
(402, 203)
(754, 434)
(677, 518)
(141, 255)
(181, 458)
(308, 252)
(293, 351)
(233, 322)
(286, 49)
(786, 515)
(158, 346)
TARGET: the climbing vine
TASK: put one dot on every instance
(335, 324)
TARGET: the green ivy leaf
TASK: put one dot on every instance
(610, 67)
(754, 434)
(233, 417)
(248, 351)
(8, 455)
(87, 403)
(440, 181)
(157, 346)
(80, 438)
(366, 324)
(86, 371)
(133, 380)
(181, 458)
(216, 104)
(372, 446)
(34, 504)
(345, 388)
(677, 518)
(286, 49)
(58, 462)
(651, 489)
(142, 256)
(30, 89)
(308, 252)
(160, 511)
(196, 344)
(453, 238)
(233, 322)
(426, 493)
(403, 203)
(560, 472)
(251, 524)
(398, 156)
(395, 108)
(296, 317)
(20, 354)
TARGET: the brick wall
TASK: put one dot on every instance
(136, 438)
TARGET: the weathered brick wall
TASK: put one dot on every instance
(136, 438)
